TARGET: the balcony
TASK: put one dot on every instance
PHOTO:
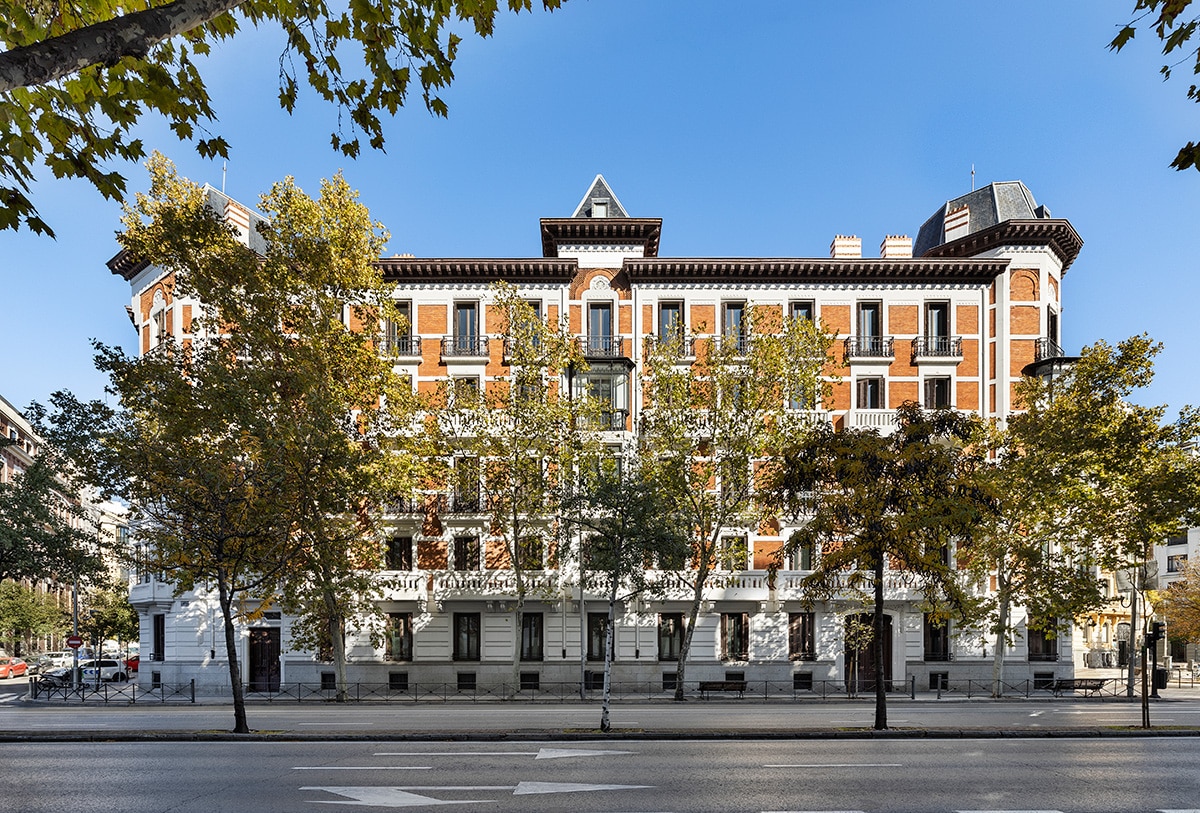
(603, 347)
(883, 420)
(1046, 348)
(462, 502)
(469, 347)
(395, 345)
(870, 348)
(937, 348)
(684, 346)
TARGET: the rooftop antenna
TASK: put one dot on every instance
(972, 179)
(226, 163)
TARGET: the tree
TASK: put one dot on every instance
(1180, 604)
(1174, 28)
(872, 503)
(712, 425)
(108, 614)
(74, 83)
(513, 438)
(43, 528)
(26, 614)
(627, 522)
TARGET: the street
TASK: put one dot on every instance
(1071, 776)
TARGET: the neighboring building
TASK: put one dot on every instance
(953, 326)
(1172, 557)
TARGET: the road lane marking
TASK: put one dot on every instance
(837, 765)
(404, 795)
(543, 753)
(362, 768)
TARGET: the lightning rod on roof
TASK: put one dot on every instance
(972, 178)
(226, 163)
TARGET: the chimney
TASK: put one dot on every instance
(957, 223)
(895, 246)
(845, 247)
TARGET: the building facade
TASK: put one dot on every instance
(947, 320)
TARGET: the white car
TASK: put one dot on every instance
(57, 660)
(109, 670)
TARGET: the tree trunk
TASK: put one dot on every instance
(878, 644)
(337, 642)
(1004, 587)
(686, 647)
(240, 724)
(105, 43)
(605, 723)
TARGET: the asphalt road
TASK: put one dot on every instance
(609, 776)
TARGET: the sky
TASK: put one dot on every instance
(753, 129)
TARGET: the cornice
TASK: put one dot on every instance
(125, 266)
(643, 231)
(822, 271)
(408, 269)
(1058, 235)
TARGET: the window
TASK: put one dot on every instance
(802, 644)
(399, 553)
(531, 636)
(161, 326)
(670, 636)
(937, 321)
(399, 641)
(600, 329)
(937, 639)
(733, 552)
(802, 557)
(466, 327)
(1179, 539)
(870, 393)
(396, 333)
(670, 321)
(1042, 647)
(735, 636)
(733, 324)
(466, 636)
(600, 208)
(159, 639)
(802, 309)
(597, 627)
(1052, 325)
(466, 553)
(870, 319)
(466, 484)
(937, 392)
(1176, 563)
(464, 389)
(532, 550)
(609, 390)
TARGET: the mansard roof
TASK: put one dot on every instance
(1001, 213)
(610, 226)
(599, 192)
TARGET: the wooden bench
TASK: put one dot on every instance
(707, 686)
(1089, 686)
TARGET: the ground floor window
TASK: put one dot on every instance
(597, 627)
(1043, 646)
(399, 637)
(531, 636)
(937, 639)
(670, 636)
(466, 636)
(735, 636)
(801, 639)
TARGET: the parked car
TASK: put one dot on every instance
(131, 664)
(57, 660)
(12, 667)
(110, 669)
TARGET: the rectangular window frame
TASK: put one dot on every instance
(735, 636)
(802, 640)
(468, 635)
(533, 637)
(398, 645)
(670, 636)
(597, 628)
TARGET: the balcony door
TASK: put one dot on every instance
(860, 661)
(466, 326)
(600, 328)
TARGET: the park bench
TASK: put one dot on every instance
(707, 686)
(1089, 686)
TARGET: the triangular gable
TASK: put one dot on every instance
(599, 192)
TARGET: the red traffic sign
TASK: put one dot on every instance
(74, 642)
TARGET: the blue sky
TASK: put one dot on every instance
(756, 129)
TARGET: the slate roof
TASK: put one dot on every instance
(599, 191)
(989, 206)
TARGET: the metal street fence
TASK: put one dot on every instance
(42, 689)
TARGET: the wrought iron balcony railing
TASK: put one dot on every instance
(940, 347)
(1047, 348)
(869, 347)
(465, 346)
(684, 346)
(397, 345)
(603, 347)
(609, 420)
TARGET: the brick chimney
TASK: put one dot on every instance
(845, 247)
(957, 223)
(895, 246)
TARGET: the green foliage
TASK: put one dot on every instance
(1180, 605)
(26, 614)
(873, 503)
(1168, 20)
(108, 614)
(71, 102)
(43, 529)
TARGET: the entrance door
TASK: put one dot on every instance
(860, 661)
(264, 668)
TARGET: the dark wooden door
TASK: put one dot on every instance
(264, 659)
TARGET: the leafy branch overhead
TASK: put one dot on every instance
(1174, 28)
(75, 80)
